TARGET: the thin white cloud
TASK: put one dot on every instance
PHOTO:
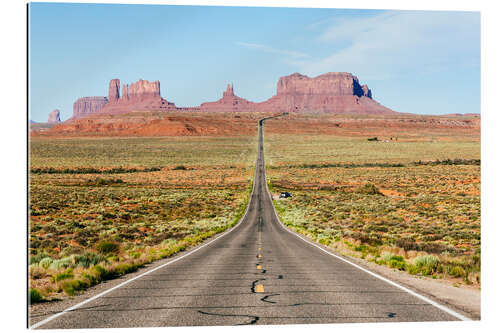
(394, 43)
(270, 49)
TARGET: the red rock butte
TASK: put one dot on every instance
(140, 95)
(229, 103)
(86, 106)
(331, 92)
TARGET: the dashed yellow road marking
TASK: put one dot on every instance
(259, 288)
(259, 267)
(260, 248)
(259, 255)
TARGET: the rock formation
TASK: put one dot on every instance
(86, 106)
(54, 117)
(140, 95)
(114, 90)
(366, 92)
(330, 84)
(228, 103)
(143, 89)
(229, 91)
(125, 92)
(330, 92)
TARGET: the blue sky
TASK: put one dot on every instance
(425, 62)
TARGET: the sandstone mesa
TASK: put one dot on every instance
(85, 106)
(334, 92)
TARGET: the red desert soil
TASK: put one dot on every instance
(178, 123)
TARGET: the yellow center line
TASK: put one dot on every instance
(259, 267)
(259, 255)
(259, 288)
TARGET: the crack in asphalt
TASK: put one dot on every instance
(264, 299)
(253, 321)
(257, 318)
(100, 307)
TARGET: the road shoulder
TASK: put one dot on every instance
(465, 300)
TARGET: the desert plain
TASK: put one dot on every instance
(112, 193)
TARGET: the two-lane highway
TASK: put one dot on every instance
(256, 273)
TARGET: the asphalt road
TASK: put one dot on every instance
(257, 273)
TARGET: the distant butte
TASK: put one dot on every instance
(140, 95)
(86, 106)
(334, 92)
(229, 103)
(330, 92)
(54, 117)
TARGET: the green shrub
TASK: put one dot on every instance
(426, 264)
(401, 265)
(360, 248)
(89, 259)
(107, 247)
(393, 261)
(457, 271)
(113, 258)
(103, 181)
(397, 258)
(66, 262)
(369, 189)
(426, 261)
(71, 287)
(412, 269)
(38, 257)
(124, 268)
(180, 167)
(325, 241)
(136, 254)
(67, 274)
(90, 278)
(35, 296)
(45, 262)
(386, 257)
(92, 170)
(99, 273)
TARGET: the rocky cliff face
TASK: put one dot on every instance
(54, 117)
(366, 91)
(140, 95)
(86, 106)
(125, 92)
(114, 90)
(331, 84)
(330, 92)
(143, 89)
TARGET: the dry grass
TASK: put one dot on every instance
(146, 209)
(375, 200)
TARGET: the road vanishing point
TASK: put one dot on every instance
(259, 272)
